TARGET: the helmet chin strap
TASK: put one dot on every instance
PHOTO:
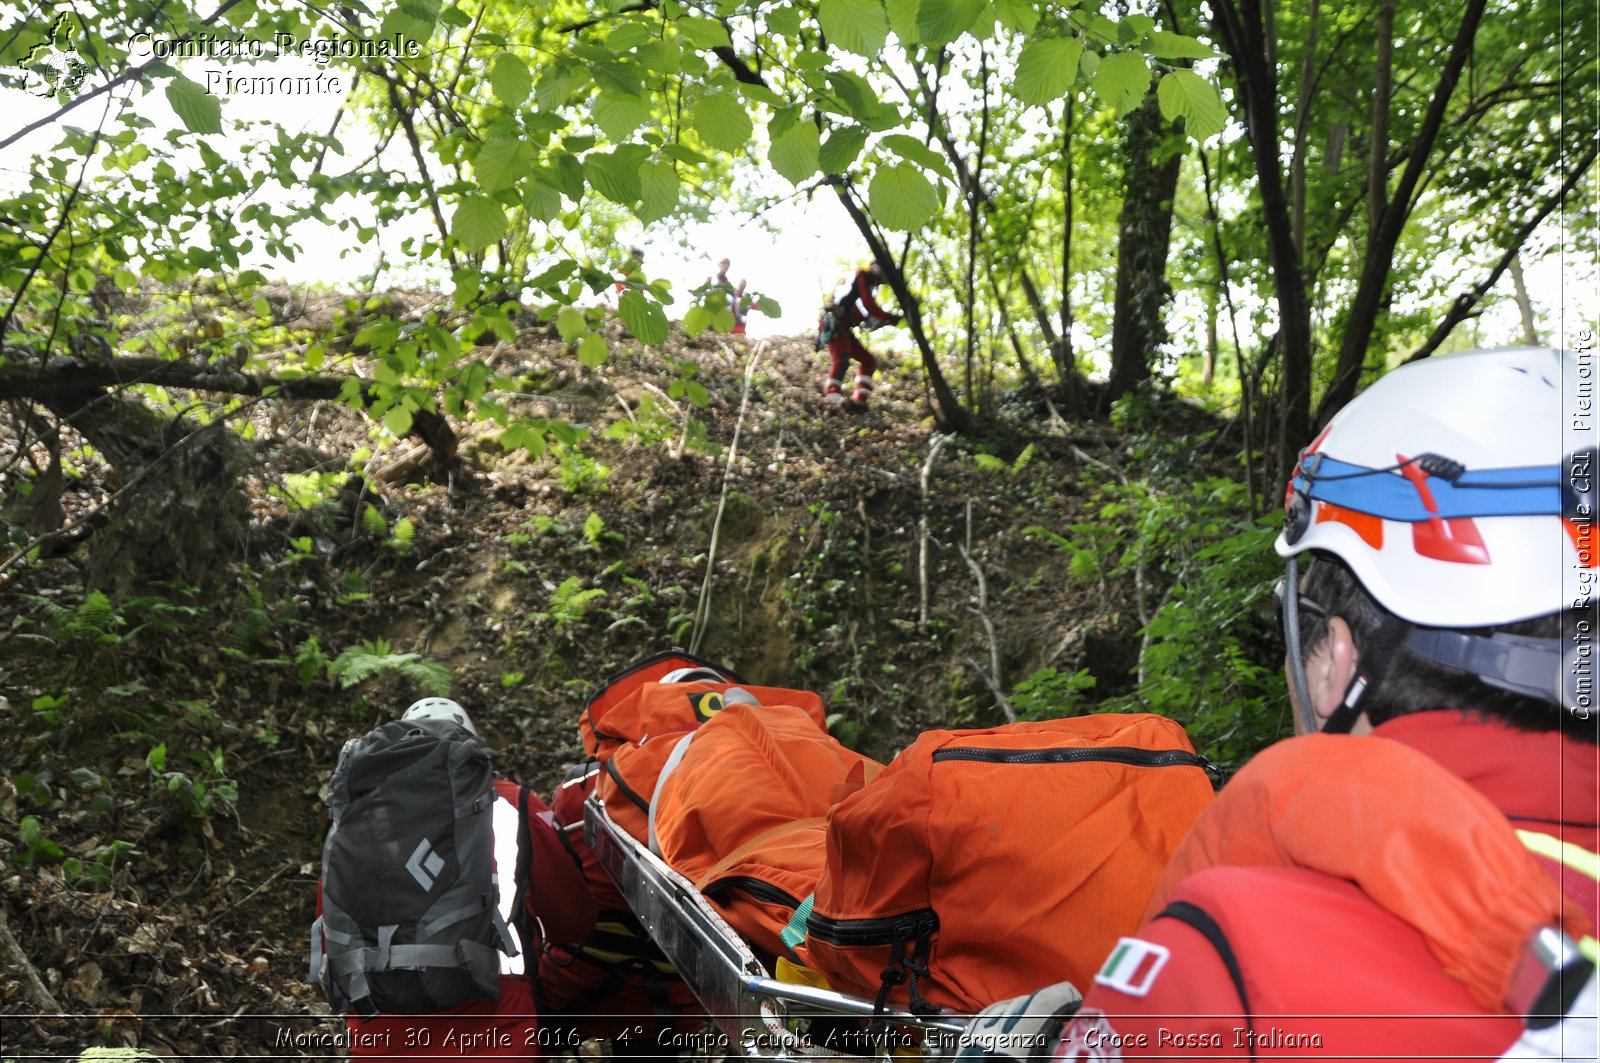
(1343, 718)
(1291, 641)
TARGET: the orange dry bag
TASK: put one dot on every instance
(983, 864)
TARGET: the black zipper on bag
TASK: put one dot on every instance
(760, 889)
(908, 926)
(1133, 755)
(627, 791)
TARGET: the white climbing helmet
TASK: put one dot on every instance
(1450, 488)
(439, 709)
(696, 674)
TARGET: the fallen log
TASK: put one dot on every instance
(50, 380)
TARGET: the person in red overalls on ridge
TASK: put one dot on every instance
(853, 308)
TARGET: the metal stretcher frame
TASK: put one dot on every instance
(742, 998)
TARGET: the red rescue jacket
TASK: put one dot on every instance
(1355, 898)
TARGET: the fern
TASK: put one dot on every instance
(370, 660)
(98, 614)
(372, 522)
(570, 603)
(404, 533)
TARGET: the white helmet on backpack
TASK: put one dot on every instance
(1450, 488)
(698, 674)
(439, 709)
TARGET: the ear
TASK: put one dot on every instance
(1331, 667)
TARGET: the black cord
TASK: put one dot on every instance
(1434, 465)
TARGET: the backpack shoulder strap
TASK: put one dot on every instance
(1194, 916)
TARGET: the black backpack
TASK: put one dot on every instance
(409, 920)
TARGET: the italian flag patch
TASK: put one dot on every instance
(1132, 966)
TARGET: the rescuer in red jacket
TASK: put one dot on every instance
(1419, 878)
(852, 308)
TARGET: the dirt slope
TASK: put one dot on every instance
(840, 564)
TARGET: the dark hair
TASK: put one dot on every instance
(1414, 684)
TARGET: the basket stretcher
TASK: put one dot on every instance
(751, 1007)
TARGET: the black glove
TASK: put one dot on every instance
(1020, 1028)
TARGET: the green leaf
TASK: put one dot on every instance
(479, 221)
(855, 25)
(1166, 45)
(1185, 94)
(501, 162)
(784, 21)
(620, 77)
(557, 83)
(696, 320)
(703, 32)
(795, 154)
(618, 115)
(1122, 81)
(570, 324)
(901, 198)
(1101, 30)
(568, 177)
(722, 121)
(903, 19)
(592, 351)
(841, 149)
(542, 202)
(614, 175)
(1133, 28)
(397, 420)
(1047, 69)
(658, 183)
(627, 36)
(942, 21)
(1019, 16)
(913, 150)
(199, 111)
(644, 317)
(510, 79)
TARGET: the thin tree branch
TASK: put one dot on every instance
(1464, 303)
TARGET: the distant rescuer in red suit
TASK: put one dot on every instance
(853, 308)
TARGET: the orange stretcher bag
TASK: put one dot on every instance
(742, 813)
(982, 864)
(634, 723)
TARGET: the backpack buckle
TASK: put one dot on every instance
(1548, 978)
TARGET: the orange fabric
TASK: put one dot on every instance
(636, 734)
(951, 836)
(747, 803)
(1413, 836)
(652, 708)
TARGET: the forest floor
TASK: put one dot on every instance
(161, 808)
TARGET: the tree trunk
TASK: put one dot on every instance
(179, 515)
(1209, 370)
(948, 412)
(1378, 260)
(1061, 351)
(1530, 334)
(1242, 37)
(1150, 181)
